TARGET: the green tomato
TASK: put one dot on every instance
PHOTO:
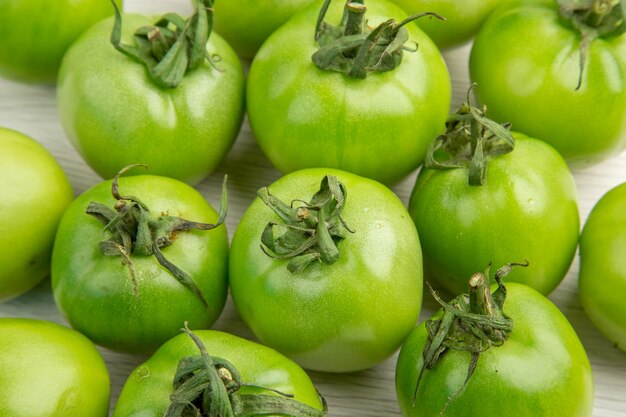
(463, 18)
(147, 391)
(526, 209)
(527, 62)
(540, 370)
(378, 127)
(245, 24)
(337, 317)
(603, 266)
(35, 34)
(115, 114)
(134, 303)
(47, 370)
(35, 192)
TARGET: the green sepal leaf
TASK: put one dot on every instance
(208, 386)
(310, 231)
(352, 48)
(172, 47)
(132, 230)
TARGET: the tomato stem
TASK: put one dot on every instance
(355, 49)
(470, 141)
(593, 19)
(206, 385)
(309, 232)
(134, 231)
(472, 323)
(173, 46)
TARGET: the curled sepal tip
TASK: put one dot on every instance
(472, 322)
(132, 230)
(470, 141)
(355, 49)
(209, 386)
(310, 231)
(172, 47)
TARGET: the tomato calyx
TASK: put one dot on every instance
(472, 322)
(208, 386)
(134, 230)
(593, 19)
(173, 46)
(355, 49)
(311, 231)
(470, 141)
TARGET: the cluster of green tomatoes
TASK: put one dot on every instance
(326, 267)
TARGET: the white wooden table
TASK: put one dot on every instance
(32, 110)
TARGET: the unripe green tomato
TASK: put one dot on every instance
(463, 18)
(378, 127)
(602, 281)
(245, 24)
(35, 192)
(540, 370)
(147, 391)
(526, 210)
(47, 370)
(136, 304)
(34, 34)
(335, 317)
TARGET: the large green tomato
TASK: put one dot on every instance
(47, 370)
(527, 62)
(245, 24)
(35, 192)
(463, 18)
(337, 317)
(379, 127)
(115, 114)
(126, 299)
(147, 390)
(526, 209)
(35, 34)
(540, 370)
(603, 266)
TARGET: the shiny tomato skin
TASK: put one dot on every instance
(340, 317)
(526, 61)
(526, 210)
(35, 192)
(540, 370)
(115, 115)
(378, 127)
(48, 370)
(95, 292)
(602, 279)
(147, 390)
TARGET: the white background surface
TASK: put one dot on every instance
(32, 110)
